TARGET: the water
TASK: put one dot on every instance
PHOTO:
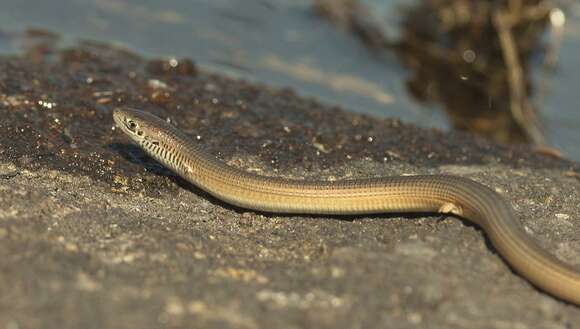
(282, 43)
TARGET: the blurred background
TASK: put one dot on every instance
(508, 70)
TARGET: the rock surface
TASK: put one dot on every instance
(95, 234)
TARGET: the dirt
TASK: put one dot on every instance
(95, 234)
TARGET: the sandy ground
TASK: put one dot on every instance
(95, 234)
